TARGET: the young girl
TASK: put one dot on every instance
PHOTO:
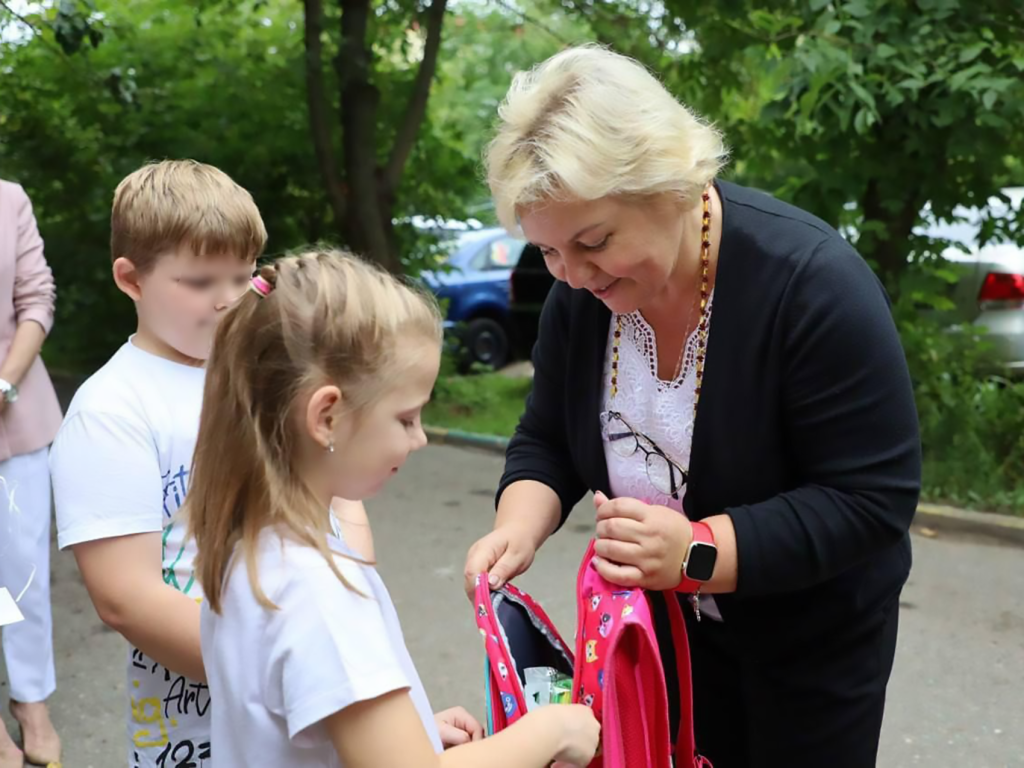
(314, 390)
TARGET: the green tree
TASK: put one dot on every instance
(483, 49)
(860, 111)
(166, 80)
(363, 189)
(91, 90)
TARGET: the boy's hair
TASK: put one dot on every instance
(590, 123)
(330, 318)
(174, 203)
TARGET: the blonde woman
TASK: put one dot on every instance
(723, 371)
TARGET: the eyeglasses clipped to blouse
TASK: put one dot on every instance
(665, 475)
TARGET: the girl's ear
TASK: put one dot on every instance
(321, 415)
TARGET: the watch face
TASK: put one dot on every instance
(700, 566)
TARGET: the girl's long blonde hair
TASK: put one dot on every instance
(330, 318)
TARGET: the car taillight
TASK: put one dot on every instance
(1000, 286)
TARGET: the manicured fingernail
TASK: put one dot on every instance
(493, 580)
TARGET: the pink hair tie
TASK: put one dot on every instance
(260, 286)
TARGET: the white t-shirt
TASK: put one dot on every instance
(120, 466)
(277, 675)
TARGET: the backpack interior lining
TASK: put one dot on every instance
(529, 642)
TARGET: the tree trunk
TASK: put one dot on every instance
(895, 207)
(319, 121)
(363, 199)
(897, 217)
(359, 98)
(416, 110)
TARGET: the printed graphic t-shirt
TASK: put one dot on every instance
(120, 466)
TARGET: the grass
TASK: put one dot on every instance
(487, 403)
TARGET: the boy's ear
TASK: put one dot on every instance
(126, 277)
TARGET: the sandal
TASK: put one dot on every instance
(30, 759)
(35, 760)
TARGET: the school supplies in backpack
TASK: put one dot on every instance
(616, 668)
(522, 645)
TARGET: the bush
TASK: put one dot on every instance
(486, 402)
(972, 416)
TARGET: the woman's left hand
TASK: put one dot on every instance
(638, 544)
(457, 727)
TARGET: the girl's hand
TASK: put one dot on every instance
(580, 734)
(640, 545)
(457, 727)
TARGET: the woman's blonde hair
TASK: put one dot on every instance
(330, 318)
(589, 123)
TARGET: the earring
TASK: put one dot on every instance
(330, 445)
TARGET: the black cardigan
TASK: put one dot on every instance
(806, 434)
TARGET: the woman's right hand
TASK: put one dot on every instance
(528, 513)
(580, 732)
(504, 553)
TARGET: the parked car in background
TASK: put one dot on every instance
(474, 281)
(529, 286)
(990, 292)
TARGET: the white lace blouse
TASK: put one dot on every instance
(662, 410)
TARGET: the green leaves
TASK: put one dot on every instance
(223, 81)
(859, 9)
(971, 52)
(885, 51)
(73, 25)
(914, 100)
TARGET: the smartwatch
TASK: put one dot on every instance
(701, 556)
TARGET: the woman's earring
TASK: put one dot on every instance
(330, 445)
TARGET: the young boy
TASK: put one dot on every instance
(184, 242)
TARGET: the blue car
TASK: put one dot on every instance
(475, 284)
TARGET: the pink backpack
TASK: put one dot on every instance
(618, 671)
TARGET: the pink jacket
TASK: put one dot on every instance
(26, 293)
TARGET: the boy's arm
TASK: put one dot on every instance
(124, 578)
(111, 504)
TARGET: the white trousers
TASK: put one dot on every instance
(25, 512)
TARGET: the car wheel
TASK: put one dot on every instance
(485, 341)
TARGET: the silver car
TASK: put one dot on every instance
(990, 292)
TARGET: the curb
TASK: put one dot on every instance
(456, 437)
(937, 516)
(1005, 528)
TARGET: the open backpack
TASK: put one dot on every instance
(615, 669)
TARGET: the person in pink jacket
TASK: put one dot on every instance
(29, 418)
